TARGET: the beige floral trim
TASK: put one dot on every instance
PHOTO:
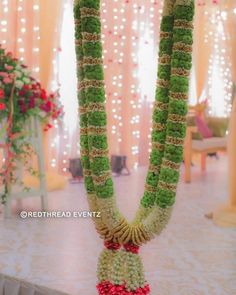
(180, 72)
(176, 118)
(161, 105)
(157, 220)
(174, 140)
(182, 47)
(77, 22)
(100, 226)
(89, 61)
(87, 172)
(101, 179)
(169, 164)
(92, 107)
(154, 168)
(179, 96)
(159, 146)
(149, 188)
(165, 59)
(167, 186)
(84, 152)
(91, 37)
(83, 131)
(141, 214)
(158, 126)
(166, 35)
(89, 12)
(82, 110)
(163, 83)
(98, 153)
(95, 130)
(183, 24)
(110, 214)
(96, 107)
(113, 227)
(91, 83)
(78, 42)
(184, 2)
(168, 8)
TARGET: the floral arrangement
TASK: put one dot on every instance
(21, 97)
(120, 269)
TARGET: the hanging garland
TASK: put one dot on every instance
(120, 271)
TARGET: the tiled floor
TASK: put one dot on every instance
(192, 256)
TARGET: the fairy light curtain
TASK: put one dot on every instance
(213, 54)
(130, 39)
(19, 33)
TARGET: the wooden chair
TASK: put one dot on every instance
(202, 147)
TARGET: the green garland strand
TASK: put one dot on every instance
(169, 128)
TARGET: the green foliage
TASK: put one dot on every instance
(165, 198)
(156, 156)
(89, 184)
(178, 107)
(162, 94)
(90, 4)
(99, 165)
(151, 178)
(167, 23)
(164, 72)
(91, 25)
(184, 12)
(148, 199)
(97, 119)
(179, 59)
(106, 190)
(158, 136)
(183, 35)
(98, 141)
(160, 116)
(94, 72)
(94, 95)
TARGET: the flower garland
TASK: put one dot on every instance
(120, 271)
(21, 97)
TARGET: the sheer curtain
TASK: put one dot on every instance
(130, 38)
(130, 43)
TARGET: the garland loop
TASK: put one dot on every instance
(120, 270)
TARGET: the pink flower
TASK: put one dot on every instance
(8, 68)
(3, 74)
(7, 80)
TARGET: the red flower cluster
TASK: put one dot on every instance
(131, 248)
(107, 288)
(33, 95)
(29, 98)
(112, 246)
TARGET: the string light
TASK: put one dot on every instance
(219, 89)
(133, 92)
